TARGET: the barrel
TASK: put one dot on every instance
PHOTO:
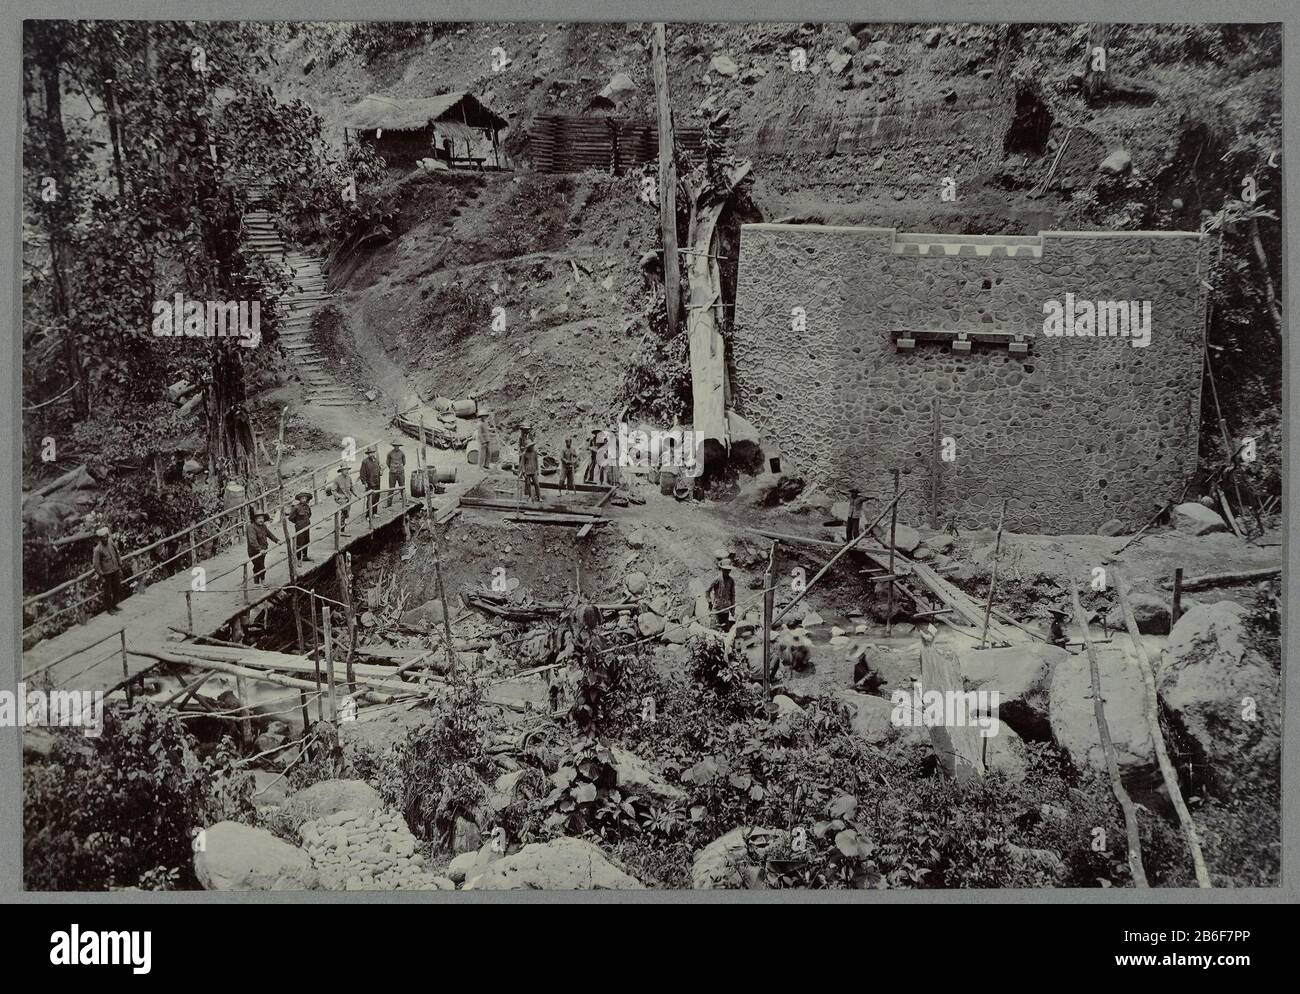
(667, 481)
(417, 483)
(234, 495)
(465, 408)
(444, 475)
(472, 452)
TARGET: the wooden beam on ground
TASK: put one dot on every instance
(1208, 580)
(1162, 755)
(1108, 747)
(957, 746)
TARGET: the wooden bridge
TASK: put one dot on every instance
(104, 651)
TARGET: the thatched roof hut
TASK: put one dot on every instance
(428, 127)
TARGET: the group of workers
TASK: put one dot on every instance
(600, 464)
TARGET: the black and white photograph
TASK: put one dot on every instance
(471, 457)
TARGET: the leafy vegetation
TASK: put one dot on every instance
(119, 810)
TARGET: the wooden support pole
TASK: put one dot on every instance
(189, 610)
(1108, 747)
(241, 690)
(126, 670)
(284, 520)
(1176, 611)
(847, 546)
(993, 576)
(893, 537)
(296, 607)
(442, 596)
(769, 598)
(329, 658)
(1153, 722)
(306, 719)
(667, 180)
(336, 531)
(935, 463)
(342, 563)
(243, 583)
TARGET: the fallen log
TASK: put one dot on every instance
(1108, 748)
(1226, 579)
(163, 656)
(1167, 771)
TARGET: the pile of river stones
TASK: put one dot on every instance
(367, 850)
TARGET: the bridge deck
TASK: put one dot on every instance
(88, 657)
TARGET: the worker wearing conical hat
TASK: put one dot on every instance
(722, 595)
(371, 477)
(396, 470)
(108, 566)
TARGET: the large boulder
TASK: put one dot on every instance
(1197, 519)
(239, 857)
(427, 614)
(563, 864)
(1005, 752)
(1074, 722)
(635, 776)
(875, 719)
(728, 862)
(1151, 612)
(1021, 675)
(329, 797)
(469, 865)
(1117, 163)
(1220, 691)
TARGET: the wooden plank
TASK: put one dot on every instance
(958, 746)
(1108, 747)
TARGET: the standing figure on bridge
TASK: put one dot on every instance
(568, 465)
(594, 445)
(528, 471)
(722, 596)
(344, 495)
(371, 477)
(396, 470)
(300, 515)
(108, 566)
(259, 539)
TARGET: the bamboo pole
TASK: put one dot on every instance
(342, 563)
(1108, 747)
(893, 537)
(993, 576)
(935, 463)
(769, 597)
(329, 659)
(1176, 610)
(847, 546)
(667, 180)
(1162, 755)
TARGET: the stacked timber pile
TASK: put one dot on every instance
(560, 143)
(367, 850)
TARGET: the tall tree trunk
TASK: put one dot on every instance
(51, 61)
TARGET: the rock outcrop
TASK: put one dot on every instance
(236, 857)
(1220, 691)
(367, 850)
(563, 864)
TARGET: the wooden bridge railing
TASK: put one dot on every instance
(228, 521)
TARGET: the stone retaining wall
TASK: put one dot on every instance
(1077, 431)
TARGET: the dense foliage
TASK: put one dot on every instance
(120, 810)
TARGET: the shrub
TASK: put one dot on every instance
(119, 810)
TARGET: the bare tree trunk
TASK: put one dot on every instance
(51, 61)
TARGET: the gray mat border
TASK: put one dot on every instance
(1285, 12)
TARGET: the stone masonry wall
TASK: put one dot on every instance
(1078, 431)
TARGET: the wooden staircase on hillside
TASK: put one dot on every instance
(307, 295)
